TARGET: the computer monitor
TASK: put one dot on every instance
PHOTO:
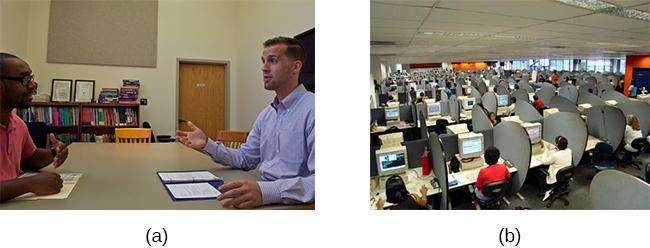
(419, 93)
(392, 113)
(470, 145)
(534, 131)
(433, 109)
(391, 162)
(502, 100)
(530, 97)
(468, 103)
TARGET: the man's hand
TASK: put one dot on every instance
(242, 194)
(424, 190)
(45, 183)
(194, 139)
(61, 151)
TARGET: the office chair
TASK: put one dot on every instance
(630, 158)
(495, 191)
(232, 139)
(441, 126)
(38, 132)
(133, 135)
(602, 158)
(561, 186)
(147, 125)
(647, 173)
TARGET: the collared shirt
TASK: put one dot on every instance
(556, 160)
(282, 142)
(15, 144)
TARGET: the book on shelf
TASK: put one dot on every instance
(129, 91)
(109, 117)
(51, 116)
(109, 95)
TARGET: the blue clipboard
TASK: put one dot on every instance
(216, 184)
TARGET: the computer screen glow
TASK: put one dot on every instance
(502, 100)
(535, 133)
(434, 109)
(392, 161)
(472, 146)
(392, 113)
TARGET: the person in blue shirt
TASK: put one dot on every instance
(281, 140)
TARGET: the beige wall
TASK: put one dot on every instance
(256, 22)
(13, 26)
(204, 30)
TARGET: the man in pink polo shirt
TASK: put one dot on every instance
(18, 151)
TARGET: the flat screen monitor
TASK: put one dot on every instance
(392, 114)
(502, 100)
(470, 145)
(534, 131)
(433, 109)
(391, 162)
(468, 103)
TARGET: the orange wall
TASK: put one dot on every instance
(469, 66)
(642, 61)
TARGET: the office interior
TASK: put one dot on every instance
(227, 34)
(439, 68)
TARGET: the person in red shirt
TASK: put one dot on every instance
(493, 173)
(537, 103)
(19, 153)
(554, 78)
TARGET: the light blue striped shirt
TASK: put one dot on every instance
(282, 142)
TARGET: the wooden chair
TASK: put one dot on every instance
(232, 139)
(133, 135)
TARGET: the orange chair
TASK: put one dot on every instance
(133, 135)
(232, 139)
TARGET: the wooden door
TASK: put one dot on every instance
(202, 97)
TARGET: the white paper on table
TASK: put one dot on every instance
(190, 176)
(63, 194)
(192, 190)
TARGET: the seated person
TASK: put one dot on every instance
(397, 194)
(447, 89)
(556, 159)
(537, 103)
(17, 85)
(493, 173)
(632, 132)
(493, 118)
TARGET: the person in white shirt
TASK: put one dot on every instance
(556, 158)
(632, 131)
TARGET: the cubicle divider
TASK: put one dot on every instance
(569, 92)
(588, 88)
(545, 93)
(501, 90)
(482, 88)
(585, 97)
(604, 87)
(379, 115)
(488, 137)
(606, 123)
(512, 141)
(454, 109)
(477, 95)
(444, 107)
(614, 95)
(489, 100)
(572, 127)
(422, 123)
(641, 110)
(521, 95)
(524, 85)
(443, 96)
(449, 145)
(615, 190)
(527, 112)
(414, 151)
(459, 89)
(439, 165)
(563, 104)
(480, 121)
(405, 113)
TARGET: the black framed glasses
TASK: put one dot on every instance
(23, 80)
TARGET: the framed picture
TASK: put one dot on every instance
(61, 90)
(84, 90)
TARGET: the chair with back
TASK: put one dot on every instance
(441, 126)
(232, 139)
(133, 135)
(496, 191)
(38, 132)
(630, 158)
(561, 186)
(602, 157)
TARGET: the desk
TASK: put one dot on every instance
(401, 127)
(123, 176)
(591, 143)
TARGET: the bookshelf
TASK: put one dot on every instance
(81, 122)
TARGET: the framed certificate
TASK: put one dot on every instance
(84, 90)
(61, 90)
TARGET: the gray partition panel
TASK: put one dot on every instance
(641, 110)
(443, 96)
(569, 92)
(501, 90)
(459, 90)
(477, 95)
(521, 95)
(444, 108)
(488, 137)
(480, 121)
(482, 88)
(527, 112)
(454, 110)
(615, 190)
(545, 94)
(414, 152)
(647, 100)
(489, 100)
(585, 88)
(439, 165)
(563, 104)
(603, 87)
(405, 113)
(449, 144)
(572, 127)
(585, 97)
(614, 95)
(607, 123)
(512, 141)
(526, 86)
(422, 121)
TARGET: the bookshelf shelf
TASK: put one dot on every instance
(71, 119)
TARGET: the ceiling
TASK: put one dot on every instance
(473, 30)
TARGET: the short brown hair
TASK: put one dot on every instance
(295, 49)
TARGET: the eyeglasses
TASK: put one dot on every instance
(23, 80)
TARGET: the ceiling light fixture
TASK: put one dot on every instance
(451, 34)
(608, 8)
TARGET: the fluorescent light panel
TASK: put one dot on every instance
(608, 8)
